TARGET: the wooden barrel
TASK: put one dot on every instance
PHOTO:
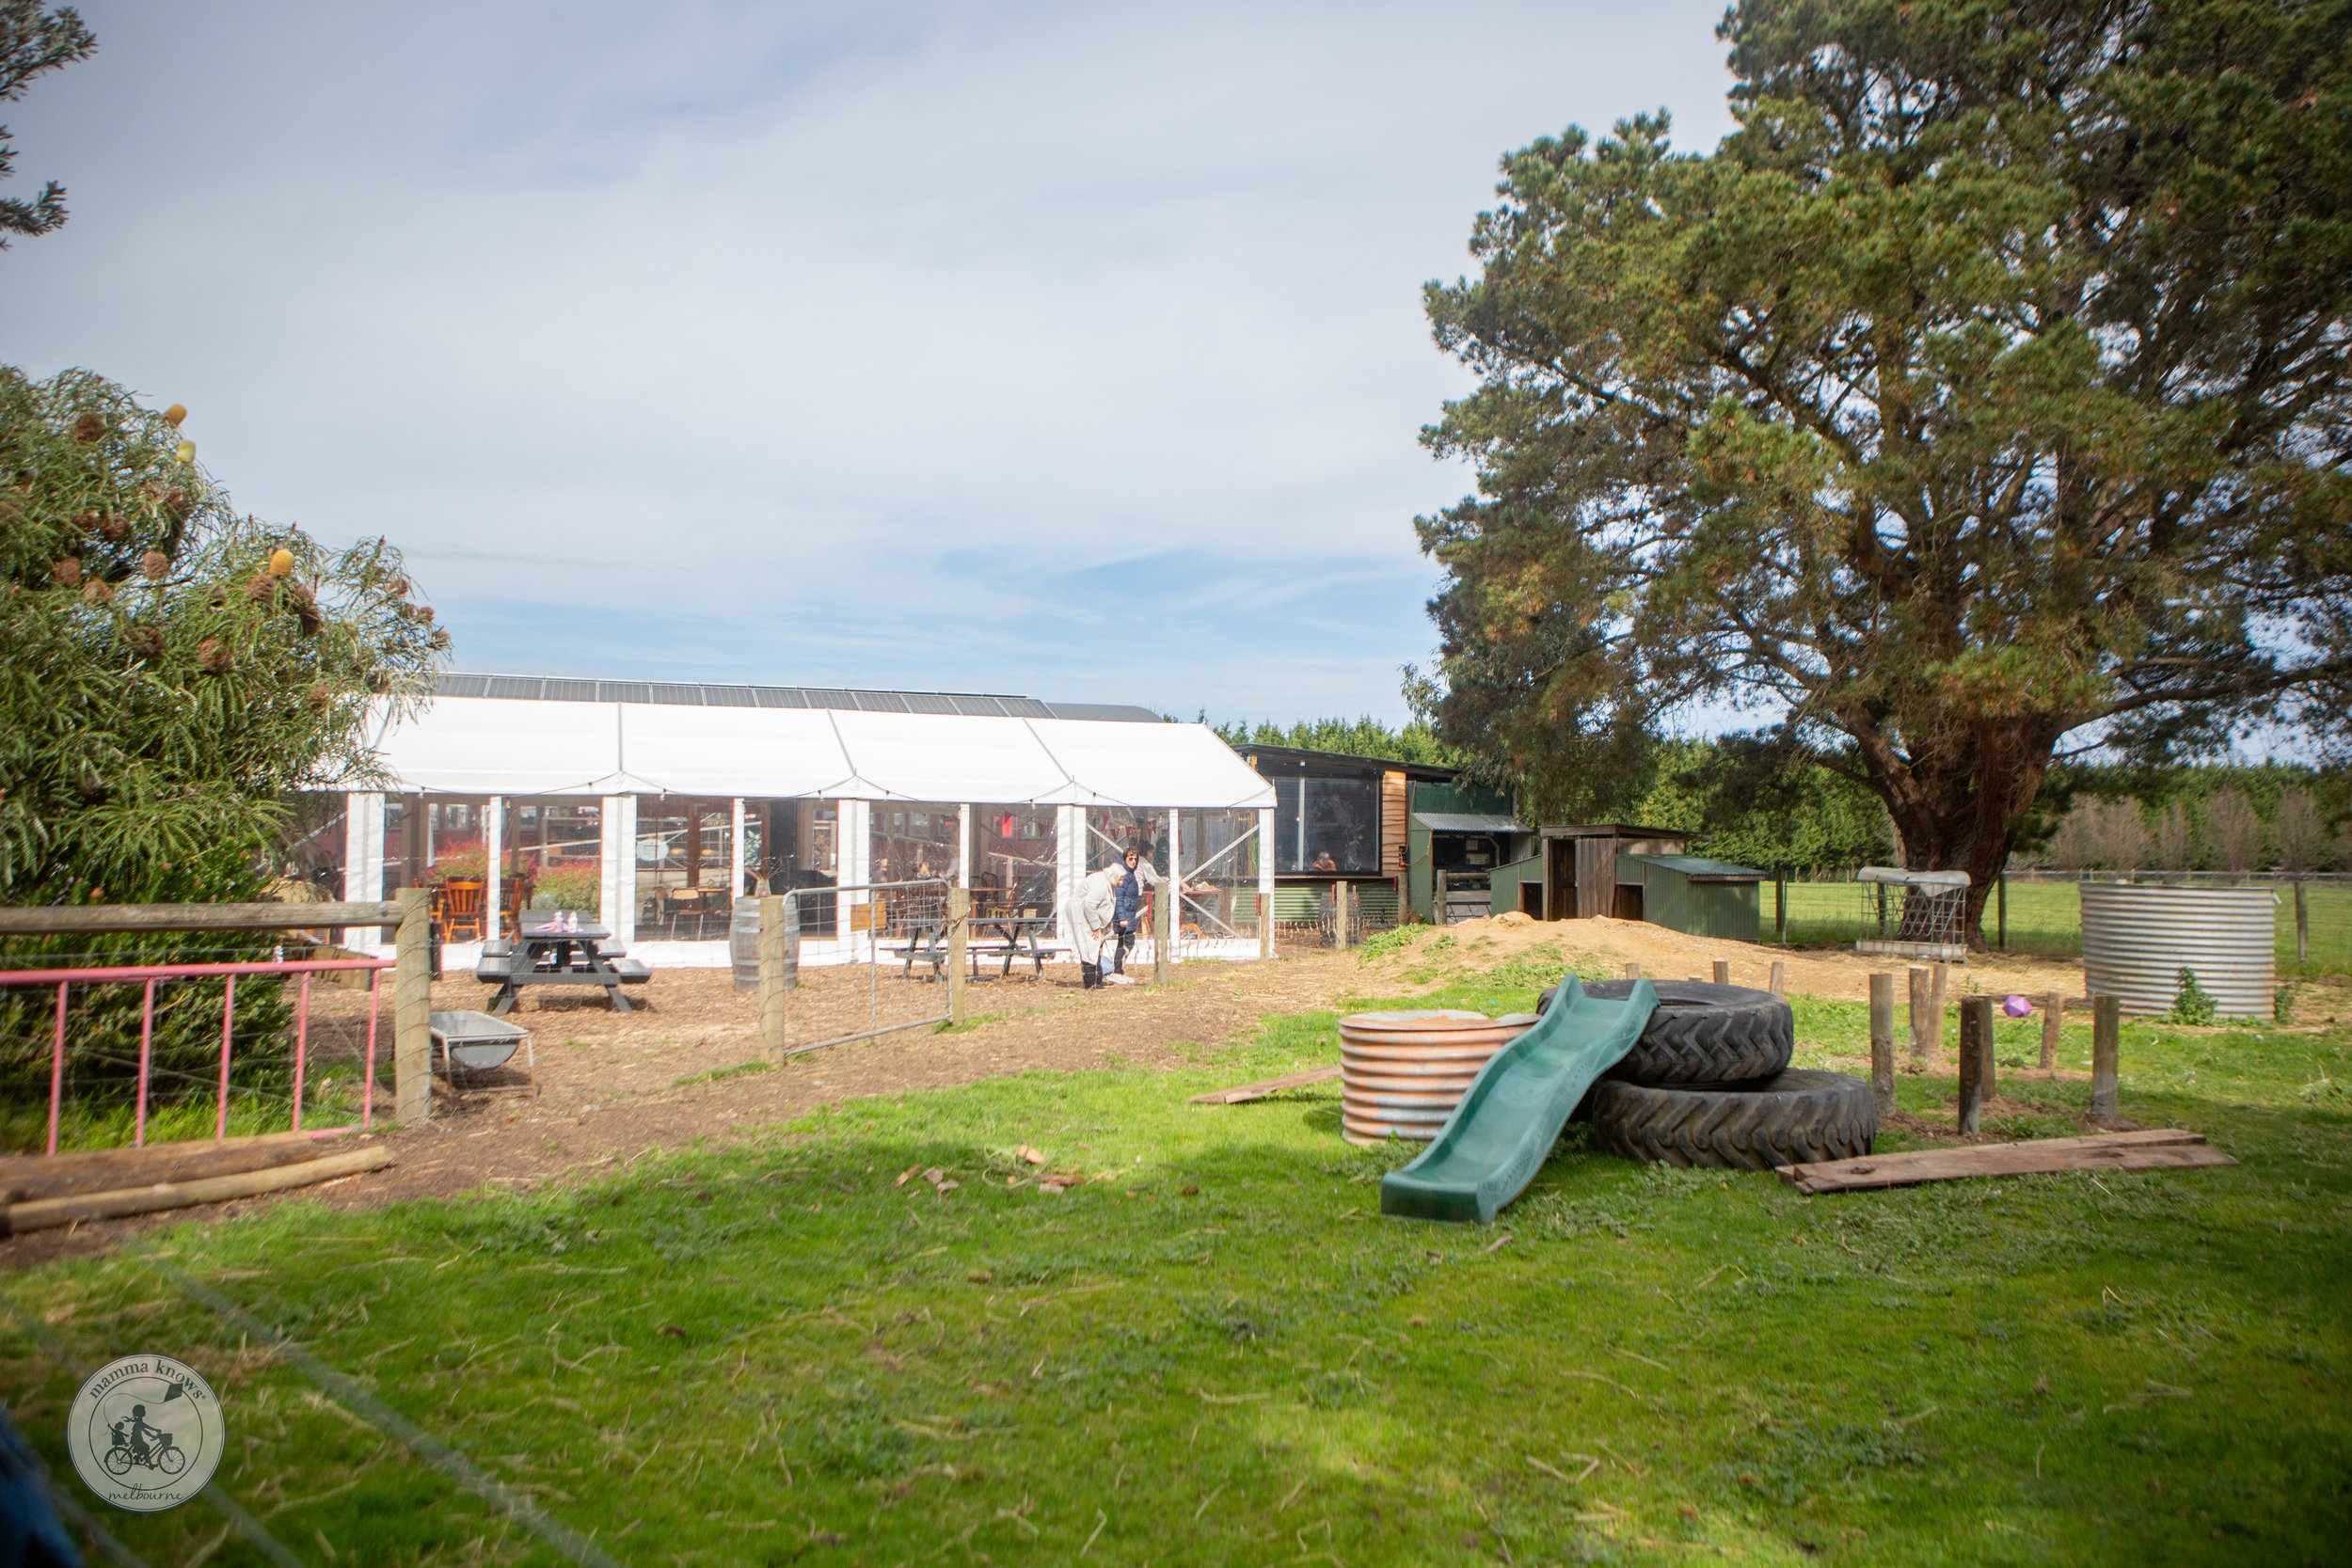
(1402, 1073)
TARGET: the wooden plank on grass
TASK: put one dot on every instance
(1241, 1093)
(46, 1214)
(2152, 1148)
(108, 1169)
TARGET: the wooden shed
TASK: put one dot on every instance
(1692, 892)
(1580, 867)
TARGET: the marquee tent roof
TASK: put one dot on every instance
(497, 746)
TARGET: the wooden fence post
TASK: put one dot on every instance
(1780, 907)
(2302, 930)
(1341, 936)
(1938, 977)
(2107, 1041)
(2053, 1017)
(773, 947)
(1975, 1029)
(1778, 984)
(959, 945)
(1883, 1043)
(1265, 926)
(412, 1009)
(1918, 1015)
(1722, 972)
(1633, 972)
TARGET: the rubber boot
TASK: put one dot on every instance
(1089, 976)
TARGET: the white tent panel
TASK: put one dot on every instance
(727, 751)
(482, 746)
(933, 756)
(1151, 765)
(498, 745)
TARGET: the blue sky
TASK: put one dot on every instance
(1071, 350)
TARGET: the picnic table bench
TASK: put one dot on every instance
(1017, 936)
(541, 955)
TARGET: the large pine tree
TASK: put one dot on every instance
(1984, 393)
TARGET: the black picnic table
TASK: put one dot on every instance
(542, 955)
(1016, 937)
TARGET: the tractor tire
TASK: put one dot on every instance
(1796, 1118)
(1702, 1034)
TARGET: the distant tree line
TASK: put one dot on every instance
(1749, 800)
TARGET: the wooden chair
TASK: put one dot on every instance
(461, 910)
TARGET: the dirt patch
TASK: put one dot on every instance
(685, 1068)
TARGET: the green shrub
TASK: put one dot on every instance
(2190, 1005)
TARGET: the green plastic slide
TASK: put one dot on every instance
(1495, 1142)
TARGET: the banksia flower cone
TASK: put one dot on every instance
(173, 415)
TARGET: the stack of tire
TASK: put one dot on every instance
(1708, 1085)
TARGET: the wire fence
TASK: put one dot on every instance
(2039, 912)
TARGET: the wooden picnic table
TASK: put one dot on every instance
(1017, 936)
(542, 955)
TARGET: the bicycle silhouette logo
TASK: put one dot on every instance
(142, 1447)
(146, 1433)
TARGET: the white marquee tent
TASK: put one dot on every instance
(622, 754)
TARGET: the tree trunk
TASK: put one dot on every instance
(1956, 806)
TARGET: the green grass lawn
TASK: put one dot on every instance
(2046, 918)
(1213, 1350)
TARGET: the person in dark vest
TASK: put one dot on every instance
(1127, 917)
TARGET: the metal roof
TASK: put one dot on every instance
(1697, 869)
(970, 704)
(1469, 822)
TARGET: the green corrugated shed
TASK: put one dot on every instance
(1690, 892)
(1509, 879)
(1421, 878)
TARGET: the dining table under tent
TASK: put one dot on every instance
(651, 807)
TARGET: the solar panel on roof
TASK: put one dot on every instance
(523, 688)
(729, 696)
(676, 695)
(972, 704)
(1026, 707)
(624, 691)
(879, 701)
(928, 701)
(978, 707)
(818, 696)
(569, 692)
(778, 696)
(464, 685)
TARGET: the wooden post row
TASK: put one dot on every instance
(1976, 1058)
(2106, 1043)
(1883, 1043)
(772, 979)
(1939, 975)
(1918, 1014)
(412, 1009)
(959, 946)
(1163, 929)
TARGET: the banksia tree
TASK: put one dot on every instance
(166, 689)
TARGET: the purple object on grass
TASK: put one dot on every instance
(2017, 1007)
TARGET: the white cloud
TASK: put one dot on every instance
(732, 324)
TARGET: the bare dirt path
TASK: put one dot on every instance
(614, 1086)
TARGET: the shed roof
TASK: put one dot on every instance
(1469, 822)
(1699, 868)
(1270, 760)
(1611, 829)
(571, 745)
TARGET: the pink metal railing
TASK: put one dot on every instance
(150, 974)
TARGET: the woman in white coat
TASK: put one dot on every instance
(1086, 914)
